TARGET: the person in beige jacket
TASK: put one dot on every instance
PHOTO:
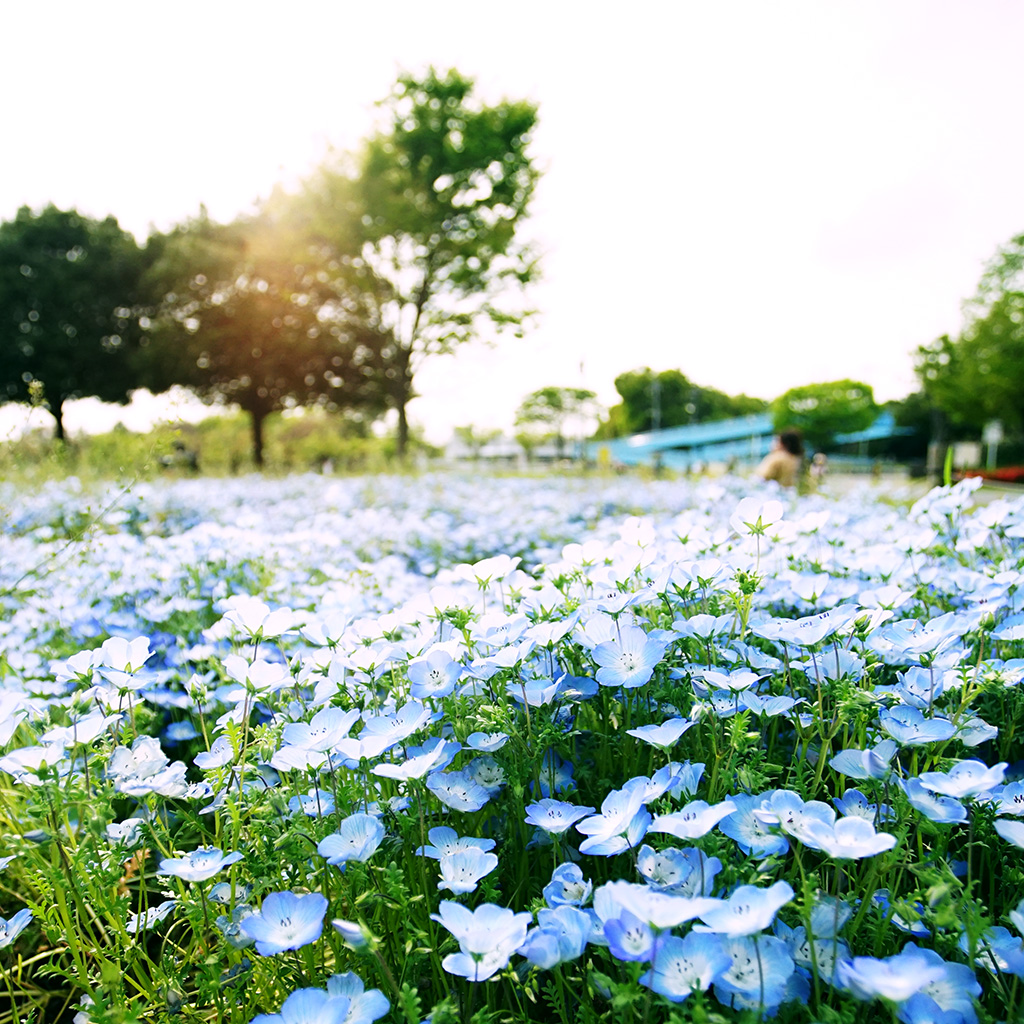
(784, 462)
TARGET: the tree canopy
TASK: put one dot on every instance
(68, 292)
(976, 377)
(236, 320)
(821, 411)
(652, 401)
(553, 407)
(420, 233)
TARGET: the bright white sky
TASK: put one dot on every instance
(761, 194)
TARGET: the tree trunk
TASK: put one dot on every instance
(257, 416)
(402, 442)
(57, 411)
(402, 395)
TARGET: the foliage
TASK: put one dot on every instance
(669, 399)
(420, 235)
(553, 407)
(236, 320)
(476, 438)
(302, 441)
(974, 378)
(68, 292)
(821, 411)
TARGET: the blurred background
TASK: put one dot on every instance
(579, 226)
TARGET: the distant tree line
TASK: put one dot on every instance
(331, 296)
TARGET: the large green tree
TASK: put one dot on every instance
(976, 377)
(235, 319)
(68, 292)
(821, 411)
(670, 399)
(420, 232)
(553, 407)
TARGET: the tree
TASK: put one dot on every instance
(235, 320)
(475, 439)
(976, 377)
(554, 407)
(821, 411)
(68, 288)
(420, 234)
(652, 401)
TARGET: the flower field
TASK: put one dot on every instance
(314, 751)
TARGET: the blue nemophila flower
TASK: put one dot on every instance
(286, 921)
(126, 656)
(354, 934)
(896, 978)
(308, 1006)
(458, 790)
(629, 937)
(944, 810)
(850, 838)
(252, 616)
(688, 872)
(230, 928)
(854, 803)
(180, 732)
(866, 764)
(154, 915)
(556, 775)
(1011, 831)
(434, 755)
(795, 816)
(461, 870)
(434, 675)
(485, 742)
(487, 937)
(628, 661)
(365, 1006)
(662, 736)
(445, 840)
(567, 887)
(198, 865)
(225, 893)
(561, 936)
(751, 834)
(555, 816)
(808, 631)
(11, 929)
(678, 779)
(127, 833)
(683, 966)
(314, 804)
(357, 838)
(823, 955)
(486, 771)
(881, 899)
(921, 687)
(965, 779)
(323, 732)
(219, 754)
(695, 819)
(704, 627)
(658, 909)
(909, 727)
(997, 950)
(755, 516)
(759, 975)
(748, 909)
(974, 731)
(622, 823)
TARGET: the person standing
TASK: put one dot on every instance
(784, 462)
